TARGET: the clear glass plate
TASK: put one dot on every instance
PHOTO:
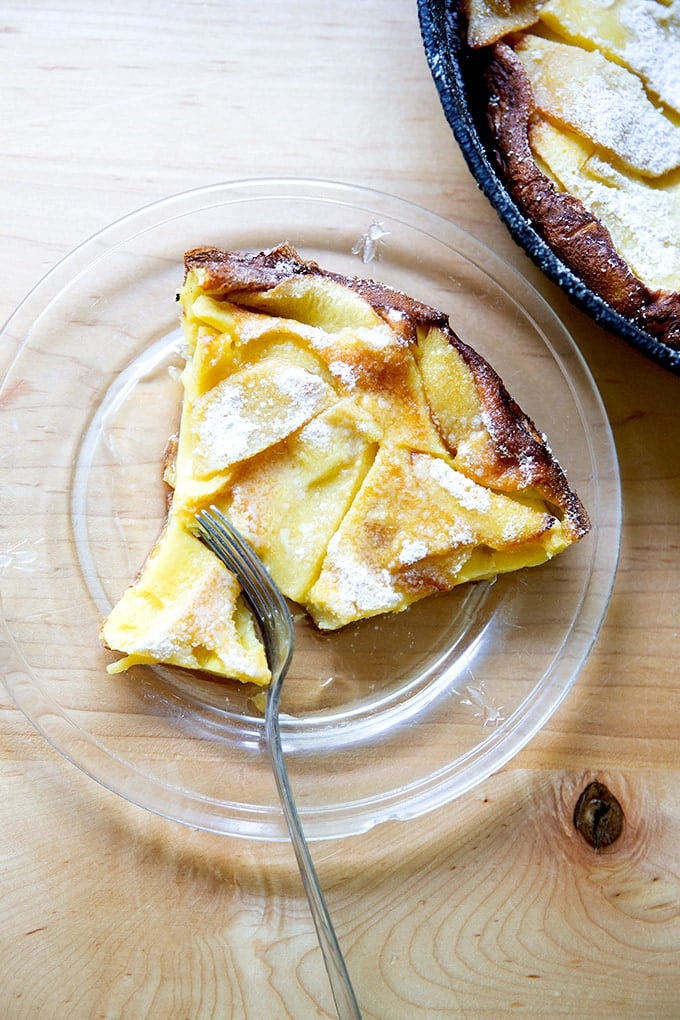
(387, 719)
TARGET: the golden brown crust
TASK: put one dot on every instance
(231, 272)
(518, 447)
(662, 317)
(575, 235)
(517, 450)
(226, 272)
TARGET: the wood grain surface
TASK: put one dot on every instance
(494, 907)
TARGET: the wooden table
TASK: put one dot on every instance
(493, 907)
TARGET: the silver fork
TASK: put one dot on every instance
(276, 627)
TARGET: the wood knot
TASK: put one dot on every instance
(598, 816)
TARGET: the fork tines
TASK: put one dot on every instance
(220, 535)
(264, 597)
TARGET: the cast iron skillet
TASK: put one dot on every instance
(455, 69)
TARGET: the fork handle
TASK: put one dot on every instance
(346, 1004)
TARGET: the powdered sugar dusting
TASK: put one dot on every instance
(319, 433)
(358, 588)
(470, 495)
(412, 551)
(602, 101)
(653, 49)
(248, 412)
(642, 221)
(344, 372)
(200, 620)
(649, 45)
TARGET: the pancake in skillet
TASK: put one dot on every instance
(584, 112)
